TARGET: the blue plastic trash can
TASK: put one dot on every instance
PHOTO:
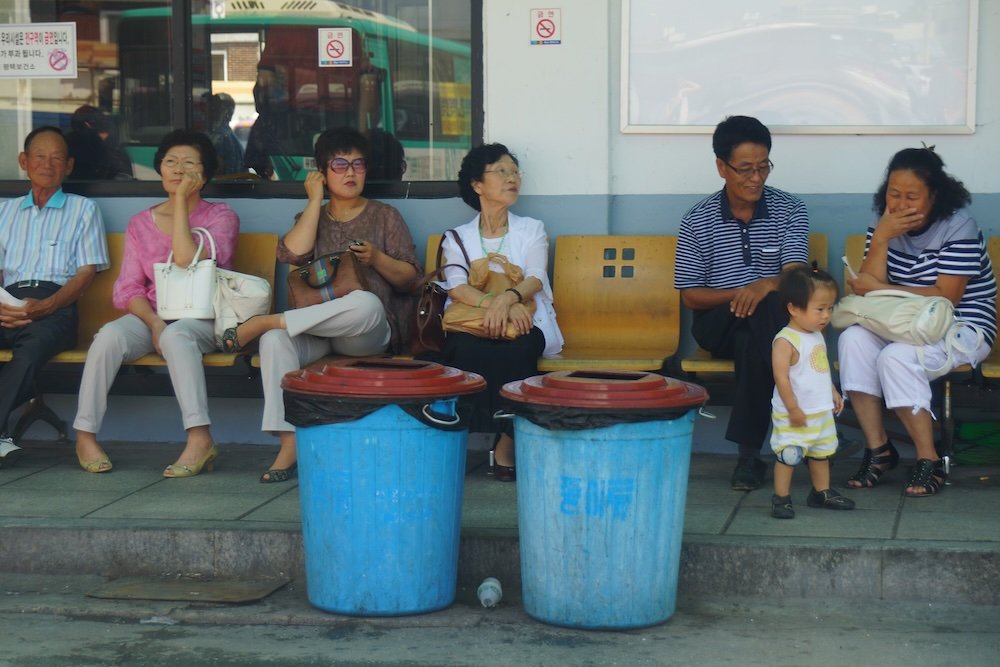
(602, 468)
(381, 458)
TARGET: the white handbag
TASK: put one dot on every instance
(238, 297)
(897, 315)
(187, 293)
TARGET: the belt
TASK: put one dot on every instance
(34, 283)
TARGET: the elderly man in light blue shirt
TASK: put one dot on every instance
(52, 244)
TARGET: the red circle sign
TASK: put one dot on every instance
(335, 48)
(58, 60)
(545, 28)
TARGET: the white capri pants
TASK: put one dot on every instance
(893, 371)
(353, 325)
(183, 343)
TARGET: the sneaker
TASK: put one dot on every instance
(9, 452)
(781, 507)
(748, 475)
(829, 499)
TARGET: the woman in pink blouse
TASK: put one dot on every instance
(185, 161)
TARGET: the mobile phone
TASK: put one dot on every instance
(355, 244)
(848, 265)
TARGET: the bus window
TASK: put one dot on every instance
(268, 76)
(259, 85)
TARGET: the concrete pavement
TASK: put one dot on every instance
(57, 519)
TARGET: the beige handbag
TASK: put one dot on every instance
(463, 317)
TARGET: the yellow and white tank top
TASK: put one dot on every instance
(810, 376)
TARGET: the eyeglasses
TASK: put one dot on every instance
(339, 165)
(172, 162)
(505, 173)
(747, 172)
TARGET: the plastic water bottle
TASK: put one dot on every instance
(489, 592)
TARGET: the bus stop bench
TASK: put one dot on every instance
(255, 254)
(614, 301)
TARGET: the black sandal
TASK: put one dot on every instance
(279, 475)
(231, 341)
(929, 475)
(876, 463)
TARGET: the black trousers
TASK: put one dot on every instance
(747, 341)
(499, 362)
(32, 346)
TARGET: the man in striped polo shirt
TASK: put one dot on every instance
(731, 249)
(51, 246)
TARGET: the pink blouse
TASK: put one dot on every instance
(146, 244)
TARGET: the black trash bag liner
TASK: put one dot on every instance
(310, 410)
(577, 419)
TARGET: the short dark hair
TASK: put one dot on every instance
(797, 285)
(339, 140)
(736, 130)
(949, 193)
(39, 130)
(474, 165)
(197, 140)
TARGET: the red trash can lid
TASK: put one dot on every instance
(600, 390)
(383, 379)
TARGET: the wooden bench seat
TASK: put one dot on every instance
(255, 254)
(701, 361)
(614, 300)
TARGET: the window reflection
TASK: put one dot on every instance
(267, 77)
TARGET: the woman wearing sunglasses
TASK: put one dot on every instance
(357, 324)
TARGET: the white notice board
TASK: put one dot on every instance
(38, 51)
(810, 66)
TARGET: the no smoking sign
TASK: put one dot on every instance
(335, 47)
(546, 26)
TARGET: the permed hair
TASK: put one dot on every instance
(474, 165)
(196, 140)
(948, 192)
(338, 141)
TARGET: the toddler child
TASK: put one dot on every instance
(804, 399)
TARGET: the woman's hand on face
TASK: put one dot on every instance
(315, 185)
(897, 223)
(191, 182)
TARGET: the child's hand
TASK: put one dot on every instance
(796, 417)
(838, 402)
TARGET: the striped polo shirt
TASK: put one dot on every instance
(50, 243)
(716, 250)
(954, 246)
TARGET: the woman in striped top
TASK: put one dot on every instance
(924, 242)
